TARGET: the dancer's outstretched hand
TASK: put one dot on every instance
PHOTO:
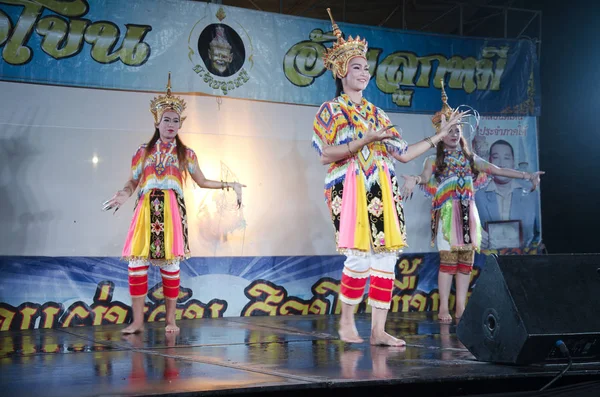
(406, 191)
(534, 178)
(115, 201)
(237, 187)
(379, 135)
(448, 122)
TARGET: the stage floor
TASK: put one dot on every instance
(257, 355)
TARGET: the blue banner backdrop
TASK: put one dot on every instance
(56, 292)
(218, 50)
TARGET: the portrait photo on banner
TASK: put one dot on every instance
(508, 210)
(221, 49)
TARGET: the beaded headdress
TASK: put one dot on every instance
(163, 103)
(336, 58)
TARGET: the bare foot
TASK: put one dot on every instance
(444, 316)
(385, 339)
(171, 328)
(349, 334)
(133, 329)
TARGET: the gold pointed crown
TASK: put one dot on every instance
(436, 120)
(162, 103)
(336, 58)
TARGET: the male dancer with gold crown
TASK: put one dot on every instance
(356, 139)
(451, 177)
(158, 231)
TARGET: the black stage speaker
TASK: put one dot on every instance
(522, 305)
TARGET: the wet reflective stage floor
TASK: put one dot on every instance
(291, 355)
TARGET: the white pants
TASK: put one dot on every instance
(357, 268)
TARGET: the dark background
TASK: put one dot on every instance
(569, 134)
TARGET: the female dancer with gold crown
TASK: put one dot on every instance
(450, 178)
(158, 230)
(359, 143)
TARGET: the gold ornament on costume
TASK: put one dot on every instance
(163, 103)
(436, 120)
(336, 58)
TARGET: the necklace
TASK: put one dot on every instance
(163, 159)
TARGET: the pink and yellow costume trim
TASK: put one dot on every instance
(158, 229)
